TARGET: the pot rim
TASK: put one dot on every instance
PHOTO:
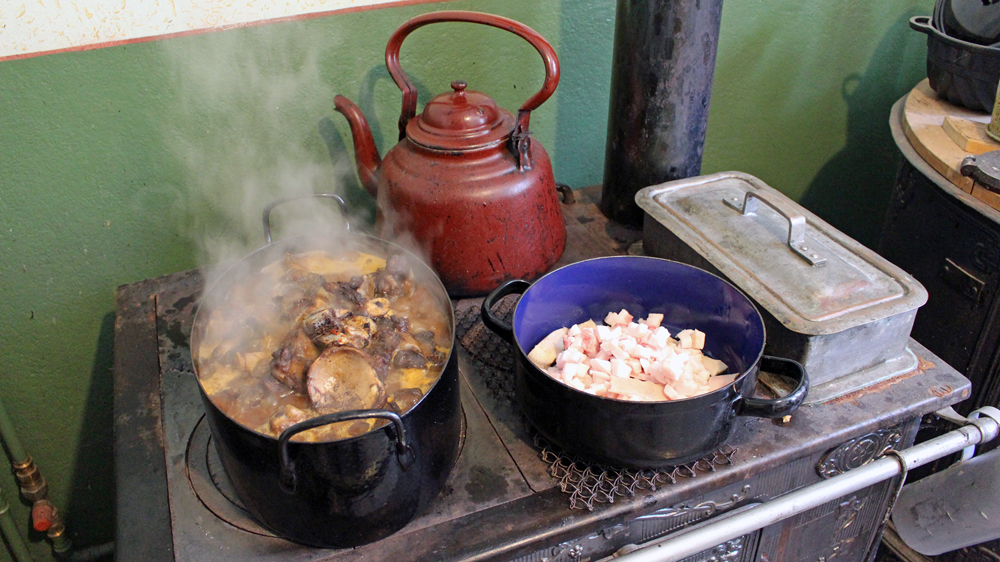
(222, 280)
(720, 393)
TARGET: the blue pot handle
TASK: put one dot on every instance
(492, 321)
(778, 407)
(287, 479)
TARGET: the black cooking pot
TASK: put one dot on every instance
(961, 72)
(352, 491)
(641, 434)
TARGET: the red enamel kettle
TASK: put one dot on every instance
(466, 179)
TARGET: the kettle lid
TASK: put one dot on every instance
(460, 120)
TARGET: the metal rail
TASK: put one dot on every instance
(684, 544)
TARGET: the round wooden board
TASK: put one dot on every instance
(924, 116)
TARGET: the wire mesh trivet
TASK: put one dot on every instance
(493, 358)
(587, 483)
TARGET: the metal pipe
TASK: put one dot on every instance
(33, 487)
(9, 437)
(10, 533)
(661, 83)
(91, 553)
(679, 547)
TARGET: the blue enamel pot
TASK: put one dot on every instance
(641, 434)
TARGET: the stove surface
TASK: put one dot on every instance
(510, 497)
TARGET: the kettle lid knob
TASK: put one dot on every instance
(460, 119)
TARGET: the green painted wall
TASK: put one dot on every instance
(114, 161)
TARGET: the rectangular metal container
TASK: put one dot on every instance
(828, 302)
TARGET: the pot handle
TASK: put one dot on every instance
(275, 203)
(520, 135)
(288, 480)
(778, 407)
(796, 223)
(492, 321)
(921, 24)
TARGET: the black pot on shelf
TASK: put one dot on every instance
(961, 72)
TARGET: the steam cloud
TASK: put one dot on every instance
(246, 134)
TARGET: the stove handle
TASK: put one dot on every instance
(288, 480)
(777, 407)
(275, 203)
(491, 320)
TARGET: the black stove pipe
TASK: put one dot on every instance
(661, 83)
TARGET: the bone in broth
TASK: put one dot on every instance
(315, 333)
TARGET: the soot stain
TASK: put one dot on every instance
(485, 484)
(183, 302)
(175, 333)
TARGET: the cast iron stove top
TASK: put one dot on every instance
(510, 497)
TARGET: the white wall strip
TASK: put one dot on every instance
(33, 27)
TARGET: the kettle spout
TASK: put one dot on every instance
(366, 155)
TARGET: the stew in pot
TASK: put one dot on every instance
(315, 333)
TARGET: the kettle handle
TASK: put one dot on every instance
(517, 28)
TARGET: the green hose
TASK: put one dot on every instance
(9, 437)
(10, 533)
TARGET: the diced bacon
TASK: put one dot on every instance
(687, 387)
(627, 344)
(620, 368)
(600, 365)
(603, 333)
(599, 375)
(660, 372)
(568, 342)
(589, 343)
(631, 360)
(641, 351)
(634, 365)
(653, 320)
(658, 338)
(569, 355)
(692, 339)
(670, 393)
(612, 347)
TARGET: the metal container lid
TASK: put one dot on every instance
(812, 278)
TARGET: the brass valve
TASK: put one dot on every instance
(33, 484)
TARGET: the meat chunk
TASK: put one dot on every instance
(342, 378)
(338, 327)
(292, 359)
(408, 359)
(395, 279)
(377, 307)
(288, 417)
